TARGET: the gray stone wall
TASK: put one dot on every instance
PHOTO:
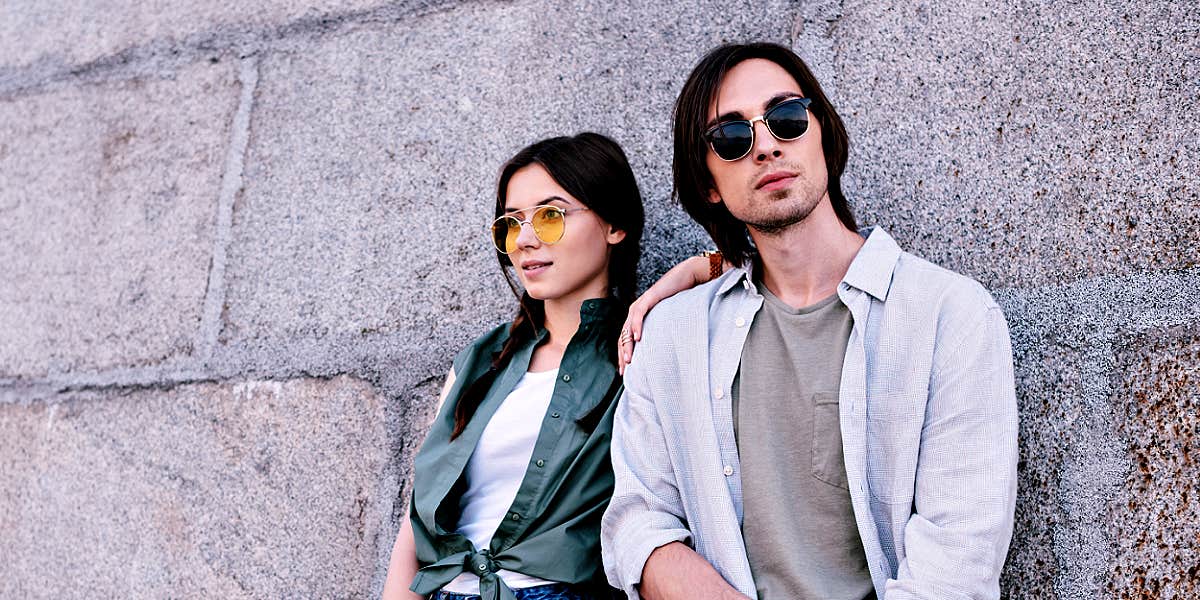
(240, 242)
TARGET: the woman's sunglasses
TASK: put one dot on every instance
(548, 222)
(732, 140)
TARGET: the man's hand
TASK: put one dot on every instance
(675, 572)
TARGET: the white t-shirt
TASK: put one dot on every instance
(496, 469)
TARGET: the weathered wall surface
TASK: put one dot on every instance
(238, 247)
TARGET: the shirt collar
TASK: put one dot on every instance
(596, 309)
(870, 271)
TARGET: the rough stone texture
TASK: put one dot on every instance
(1072, 347)
(370, 173)
(1157, 384)
(58, 32)
(107, 197)
(332, 172)
(231, 490)
(1024, 143)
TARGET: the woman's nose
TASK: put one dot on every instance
(526, 237)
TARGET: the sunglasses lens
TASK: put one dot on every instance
(549, 223)
(788, 121)
(731, 141)
(504, 233)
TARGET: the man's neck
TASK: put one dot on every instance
(804, 263)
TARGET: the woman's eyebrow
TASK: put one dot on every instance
(544, 202)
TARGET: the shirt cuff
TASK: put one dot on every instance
(640, 538)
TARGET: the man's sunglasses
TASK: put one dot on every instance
(548, 222)
(732, 140)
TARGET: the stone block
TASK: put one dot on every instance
(60, 34)
(108, 195)
(1024, 144)
(1157, 388)
(371, 169)
(244, 490)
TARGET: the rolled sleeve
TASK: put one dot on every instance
(956, 541)
(646, 511)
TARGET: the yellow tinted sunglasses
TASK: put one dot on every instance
(548, 222)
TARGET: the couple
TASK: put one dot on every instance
(822, 416)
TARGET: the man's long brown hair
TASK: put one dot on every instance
(692, 178)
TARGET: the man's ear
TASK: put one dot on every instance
(614, 235)
(714, 196)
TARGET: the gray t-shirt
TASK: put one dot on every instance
(798, 523)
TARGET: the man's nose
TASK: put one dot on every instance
(765, 144)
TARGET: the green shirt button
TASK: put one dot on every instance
(554, 415)
(541, 463)
(516, 517)
(567, 377)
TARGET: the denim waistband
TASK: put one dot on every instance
(552, 591)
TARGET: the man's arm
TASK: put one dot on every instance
(643, 531)
(676, 572)
(966, 480)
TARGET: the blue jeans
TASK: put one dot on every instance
(553, 591)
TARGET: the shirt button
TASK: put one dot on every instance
(740, 322)
(567, 377)
(720, 394)
(541, 463)
(554, 415)
(728, 470)
(516, 517)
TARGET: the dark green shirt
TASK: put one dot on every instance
(552, 530)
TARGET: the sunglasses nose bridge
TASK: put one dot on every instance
(527, 236)
(768, 138)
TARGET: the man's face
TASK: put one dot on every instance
(778, 183)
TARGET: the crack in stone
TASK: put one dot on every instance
(231, 186)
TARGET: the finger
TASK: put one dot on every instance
(626, 349)
(637, 313)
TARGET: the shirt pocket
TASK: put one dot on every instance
(828, 461)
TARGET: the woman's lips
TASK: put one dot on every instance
(534, 268)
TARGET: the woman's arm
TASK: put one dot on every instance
(402, 567)
(683, 276)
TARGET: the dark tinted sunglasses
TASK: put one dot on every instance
(732, 140)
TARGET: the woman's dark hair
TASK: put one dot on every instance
(594, 170)
(692, 178)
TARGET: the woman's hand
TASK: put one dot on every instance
(683, 276)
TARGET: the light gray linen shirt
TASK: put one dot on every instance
(928, 417)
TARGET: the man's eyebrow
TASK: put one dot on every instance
(780, 97)
(735, 115)
(729, 116)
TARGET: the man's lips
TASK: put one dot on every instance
(775, 180)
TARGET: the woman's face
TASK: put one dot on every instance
(576, 266)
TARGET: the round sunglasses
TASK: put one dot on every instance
(548, 222)
(732, 140)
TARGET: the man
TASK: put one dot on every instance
(837, 419)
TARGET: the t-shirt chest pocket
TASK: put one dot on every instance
(828, 462)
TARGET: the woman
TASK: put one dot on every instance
(511, 482)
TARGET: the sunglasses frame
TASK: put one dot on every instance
(521, 223)
(708, 134)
